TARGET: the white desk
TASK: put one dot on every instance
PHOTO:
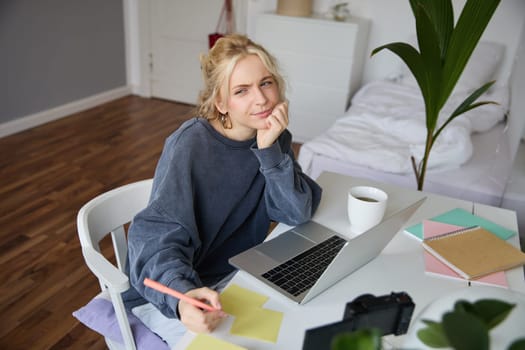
(398, 268)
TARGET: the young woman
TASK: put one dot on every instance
(220, 181)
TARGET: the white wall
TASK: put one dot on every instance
(517, 102)
(58, 52)
(391, 20)
(58, 57)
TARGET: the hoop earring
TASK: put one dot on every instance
(225, 120)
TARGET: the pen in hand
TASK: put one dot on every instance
(166, 290)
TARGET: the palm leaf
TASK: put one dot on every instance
(414, 62)
(464, 106)
(471, 24)
(467, 105)
(430, 54)
(442, 17)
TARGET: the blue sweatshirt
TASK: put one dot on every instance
(212, 198)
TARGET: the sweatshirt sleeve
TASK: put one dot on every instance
(162, 250)
(163, 239)
(291, 196)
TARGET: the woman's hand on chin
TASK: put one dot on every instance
(276, 123)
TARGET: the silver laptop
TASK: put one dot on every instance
(306, 260)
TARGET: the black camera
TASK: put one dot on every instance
(389, 313)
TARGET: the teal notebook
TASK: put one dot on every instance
(461, 217)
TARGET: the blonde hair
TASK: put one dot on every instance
(217, 67)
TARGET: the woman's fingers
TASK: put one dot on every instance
(196, 319)
(281, 113)
(276, 123)
(206, 294)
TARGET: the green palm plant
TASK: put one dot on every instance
(444, 50)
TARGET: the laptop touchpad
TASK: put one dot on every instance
(285, 246)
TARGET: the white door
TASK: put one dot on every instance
(179, 34)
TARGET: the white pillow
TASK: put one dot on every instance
(481, 68)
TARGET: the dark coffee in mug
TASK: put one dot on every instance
(367, 199)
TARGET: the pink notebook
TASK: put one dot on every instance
(434, 266)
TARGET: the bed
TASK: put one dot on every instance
(385, 126)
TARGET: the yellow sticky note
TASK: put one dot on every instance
(235, 300)
(206, 342)
(251, 319)
(258, 323)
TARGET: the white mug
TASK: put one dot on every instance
(366, 207)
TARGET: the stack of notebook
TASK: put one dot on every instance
(452, 224)
(474, 252)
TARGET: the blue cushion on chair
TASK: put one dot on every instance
(99, 315)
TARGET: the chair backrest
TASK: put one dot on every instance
(108, 213)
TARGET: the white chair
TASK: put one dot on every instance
(103, 215)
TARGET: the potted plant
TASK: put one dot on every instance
(465, 327)
(444, 50)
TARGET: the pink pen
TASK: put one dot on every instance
(167, 290)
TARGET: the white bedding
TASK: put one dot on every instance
(385, 126)
(482, 179)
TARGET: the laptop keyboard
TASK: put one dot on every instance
(302, 271)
